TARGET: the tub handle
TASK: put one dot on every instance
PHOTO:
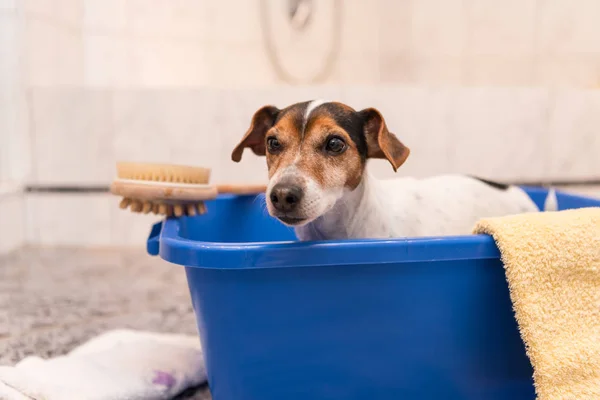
(153, 242)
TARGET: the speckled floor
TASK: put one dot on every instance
(51, 300)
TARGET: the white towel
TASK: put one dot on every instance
(118, 365)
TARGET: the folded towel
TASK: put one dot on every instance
(118, 365)
(552, 263)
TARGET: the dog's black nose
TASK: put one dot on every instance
(285, 197)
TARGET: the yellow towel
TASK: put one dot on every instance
(552, 263)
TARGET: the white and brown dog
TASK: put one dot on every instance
(316, 155)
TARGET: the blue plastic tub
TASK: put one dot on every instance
(426, 318)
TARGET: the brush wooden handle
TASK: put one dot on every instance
(242, 189)
(169, 193)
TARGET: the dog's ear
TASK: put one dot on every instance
(254, 138)
(381, 143)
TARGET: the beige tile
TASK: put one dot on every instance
(499, 71)
(439, 28)
(64, 12)
(360, 26)
(15, 155)
(391, 11)
(179, 19)
(397, 68)
(13, 130)
(568, 27)
(69, 58)
(501, 133)
(9, 49)
(69, 219)
(41, 48)
(141, 130)
(501, 28)
(438, 71)
(6, 131)
(12, 215)
(53, 53)
(160, 63)
(394, 29)
(108, 61)
(357, 70)
(72, 136)
(241, 66)
(8, 5)
(8, 189)
(233, 22)
(70, 11)
(568, 71)
(573, 135)
(106, 16)
(21, 147)
(40, 7)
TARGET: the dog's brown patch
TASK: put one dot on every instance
(287, 130)
(346, 167)
(381, 143)
(312, 159)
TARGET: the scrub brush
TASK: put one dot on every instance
(169, 189)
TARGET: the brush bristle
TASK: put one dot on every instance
(163, 173)
(168, 210)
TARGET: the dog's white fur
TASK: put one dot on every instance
(407, 207)
(316, 200)
(310, 108)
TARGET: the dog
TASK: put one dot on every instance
(316, 153)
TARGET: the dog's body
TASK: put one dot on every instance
(316, 153)
(408, 207)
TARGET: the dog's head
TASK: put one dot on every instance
(316, 151)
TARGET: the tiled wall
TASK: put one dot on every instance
(502, 133)
(499, 133)
(502, 89)
(132, 43)
(14, 139)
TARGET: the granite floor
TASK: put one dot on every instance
(51, 300)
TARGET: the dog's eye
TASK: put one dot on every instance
(335, 145)
(273, 145)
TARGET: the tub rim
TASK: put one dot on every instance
(165, 240)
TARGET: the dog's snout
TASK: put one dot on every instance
(285, 197)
